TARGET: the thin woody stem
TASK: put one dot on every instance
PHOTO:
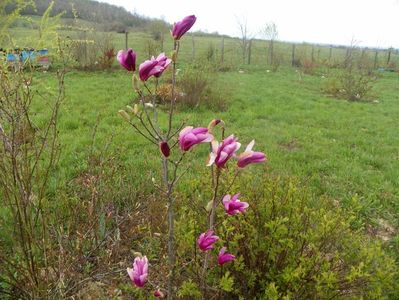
(154, 96)
(170, 185)
(232, 182)
(146, 128)
(141, 133)
(212, 216)
(172, 106)
(148, 116)
(171, 216)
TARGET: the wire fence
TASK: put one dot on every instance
(226, 51)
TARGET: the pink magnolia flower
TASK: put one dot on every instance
(206, 240)
(158, 294)
(224, 257)
(250, 157)
(163, 62)
(127, 59)
(153, 67)
(180, 28)
(222, 153)
(234, 206)
(139, 273)
(191, 136)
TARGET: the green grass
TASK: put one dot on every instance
(340, 149)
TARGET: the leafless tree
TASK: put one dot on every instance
(245, 36)
(270, 33)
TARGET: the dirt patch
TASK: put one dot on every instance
(383, 231)
(290, 146)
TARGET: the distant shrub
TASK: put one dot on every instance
(107, 58)
(164, 92)
(351, 85)
(198, 86)
(331, 87)
(392, 66)
(297, 63)
(92, 51)
(292, 246)
(81, 47)
(277, 60)
(107, 51)
(356, 86)
(210, 52)
(308, 66)
(152, 47)
(365, 62)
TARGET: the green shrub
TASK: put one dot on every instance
(199, 87)
(308, 66)
(351, 85)
(290, 245)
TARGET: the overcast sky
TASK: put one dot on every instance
(372, 23)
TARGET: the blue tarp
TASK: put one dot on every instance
(28, 55)
(11, 57)
(34, 57)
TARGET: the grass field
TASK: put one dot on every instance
(345, 150)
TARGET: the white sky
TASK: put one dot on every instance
(373, 23)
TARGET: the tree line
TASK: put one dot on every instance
(115, 18)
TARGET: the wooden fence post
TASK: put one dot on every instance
(330, 55)
(126, 34)
(312, 53)
(271, 46)
(376, 59)
(347, 60)
(249, 51)
(222, 51)
(293, 55)
(389, 56)
(85, 43)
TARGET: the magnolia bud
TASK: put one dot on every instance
(137, 254)
(135, 82)
(215, 122)
(174, 55)
(165, 149)
(129, 109)
(158, 294)
(208, 207)
(136, 109)
(124, 115)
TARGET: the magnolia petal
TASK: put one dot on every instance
(185, 130)
(250, 146)
(209, 138)
(211, 160)
(215, 146)
(235, 197)
(131, 273)
(238, 146)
